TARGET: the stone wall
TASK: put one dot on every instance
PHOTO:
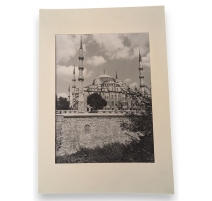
(73, 132)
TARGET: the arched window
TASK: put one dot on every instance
(87, 129)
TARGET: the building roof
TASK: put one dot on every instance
(102, 78)
(103, 75)
(109, 81)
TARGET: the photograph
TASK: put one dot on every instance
(103, 100)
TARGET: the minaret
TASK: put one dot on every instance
(81, 79)
(69, 96)
(69, 92)
(73, 87)
(141, 75)
(116, 75)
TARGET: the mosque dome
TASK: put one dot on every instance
(102, 78)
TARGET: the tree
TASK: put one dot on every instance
(120, 105)
(141, 123)
(96, 101)
(62, 104)
(56, 101)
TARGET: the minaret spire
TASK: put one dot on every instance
(139, 56)
(81, 43)
(73, 87)
(69, 88)
(141, 75)
(81, 79)
(116, 75)
(74, 69)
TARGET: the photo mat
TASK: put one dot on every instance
(60, 178)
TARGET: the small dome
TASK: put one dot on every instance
(102, 78)
(104, 75)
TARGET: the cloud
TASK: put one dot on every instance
(66, 73)
(67, 46)
(127, 80)
(146, 61)
(134, 84)
(124, 53)
(110, 42)
(112, 45)
(138, 41)
(96, 60)
(126, 41)
(64, 95)
(148, 54)
(123, 46)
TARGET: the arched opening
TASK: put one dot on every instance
(87, 129)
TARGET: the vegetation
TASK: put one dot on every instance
(140, 149)
(141, 122)
(62, 103)
(115, 152)
(96, 101)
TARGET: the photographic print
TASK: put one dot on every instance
(103, 101)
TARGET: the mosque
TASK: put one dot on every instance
(113, 90)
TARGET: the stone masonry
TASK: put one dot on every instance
(87, 131)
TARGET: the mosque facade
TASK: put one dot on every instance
(113, 90)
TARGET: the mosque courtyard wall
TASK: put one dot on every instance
(88, 130)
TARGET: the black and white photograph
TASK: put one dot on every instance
(103, 98)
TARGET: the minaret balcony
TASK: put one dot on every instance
(81, 58)
(73, 86)
(81, 68)
(142, 85)
(140, 68)
(74, 79)
(141, 76)
(80, 78)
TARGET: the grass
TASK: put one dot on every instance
(110, 153)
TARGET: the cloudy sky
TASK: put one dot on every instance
(102, 51)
